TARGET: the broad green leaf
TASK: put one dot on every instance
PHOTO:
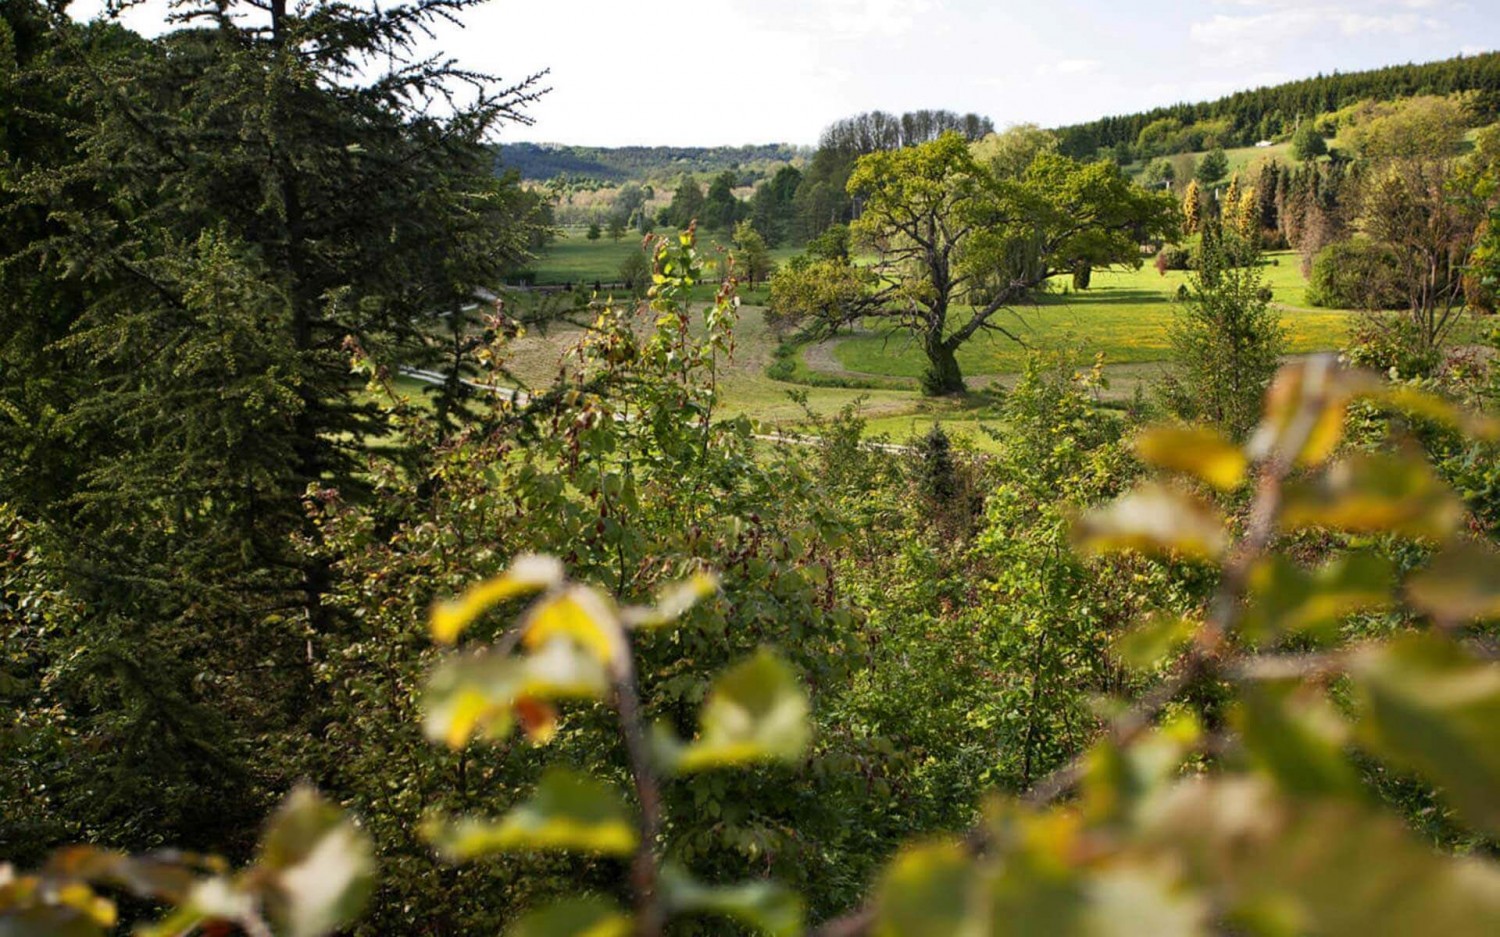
(1275, 864)
(1428, 706)
(672, 602)
(211, 899)
(166, 877)
(1199, 451)
(929, 889)
(1137, 899)
(1370, 493)
(1038, 889)
(485, 694)
(756, 711)
(1117, 779)
(579, 613)
(567, 811)
(768, 907)
(322, 866)
(1292, 733)
(1153, 519)
(576, 917)
(1461, 584)
(1154, 641)
(528, 573)
(1046, 882)
(1287, 599)
(48, 905)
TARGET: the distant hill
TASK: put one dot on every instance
(1245, 117)
(543, 161)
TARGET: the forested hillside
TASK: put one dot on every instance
(544, 161)
(1245, 117)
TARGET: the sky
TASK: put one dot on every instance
(728, 72)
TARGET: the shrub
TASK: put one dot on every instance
(1355, 274)
(1173, 257)
(1308, 143)
(1226, 339)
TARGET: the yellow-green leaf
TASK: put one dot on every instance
(756, 711)
(1305, 409)
(1287, 599)
(1430, 707)
(1199, 451)
(1293, 734)
(1370, 493)
(1154, 519)
(1117, 778)
(1152, 642)
(768, 907)
(567, 811)
(1274, 864)
(1411, 400)
(528, 573)
(322, 866)
(477, 694)
(1461, 584)
(928, 889)
(673, 602)
(581, 614)
(576, 917)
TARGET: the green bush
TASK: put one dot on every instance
(1174, 257)
(1355, 274)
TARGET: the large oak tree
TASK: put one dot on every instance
(956, 243)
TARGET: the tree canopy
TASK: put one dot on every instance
(957, 244)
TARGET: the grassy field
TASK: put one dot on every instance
(1245, 160)
(573, 258)
(1124, 316)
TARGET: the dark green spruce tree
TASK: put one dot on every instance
(217, 218)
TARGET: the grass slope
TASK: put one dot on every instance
(1124, 316)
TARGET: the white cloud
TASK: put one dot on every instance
(842, 18)
(1240, 39)
(1354, 24)
(1070, 67)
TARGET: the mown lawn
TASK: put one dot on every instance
(1124, 316)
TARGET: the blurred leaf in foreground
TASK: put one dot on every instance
(1430, 707)
(1154, 519)
(768, 907)
(528, 573)
(566, 811)
(1371, 493)
(576, 917)
(1288, 599)
(1460, 585)
(1199, 451)
(756, 711)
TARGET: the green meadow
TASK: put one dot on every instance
(1124, 316)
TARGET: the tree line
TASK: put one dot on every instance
(1243, 118)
